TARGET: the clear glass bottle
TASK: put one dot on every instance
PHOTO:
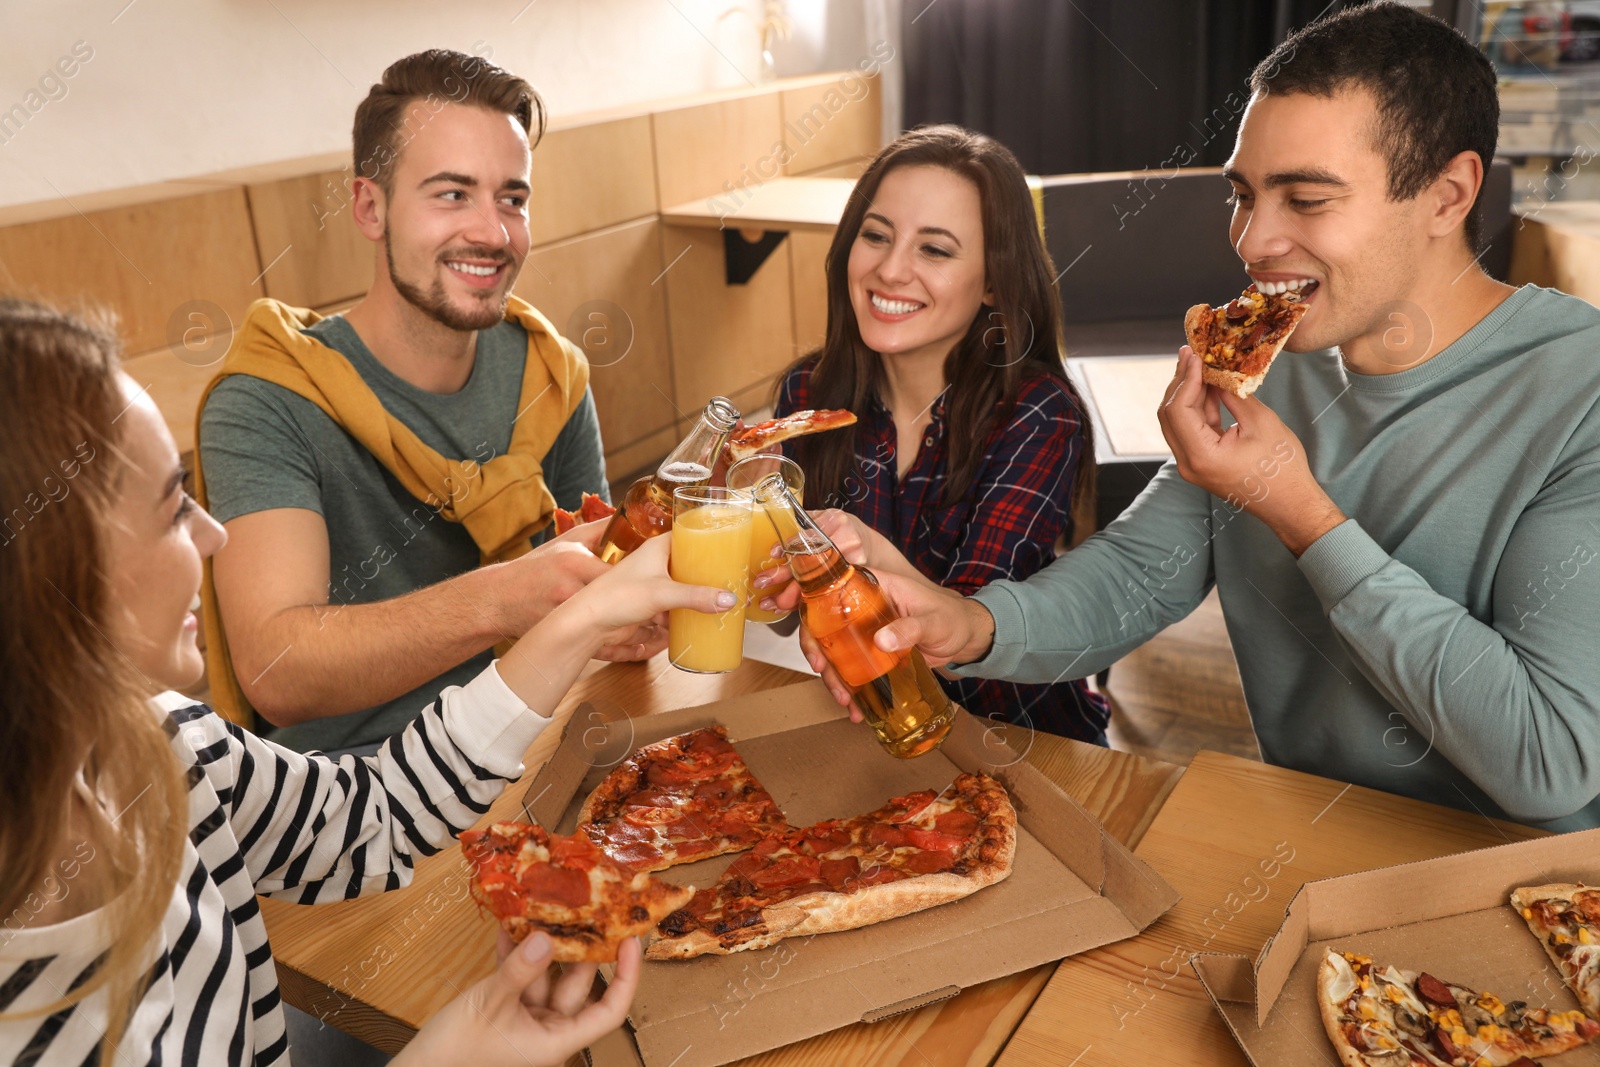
(646, 510)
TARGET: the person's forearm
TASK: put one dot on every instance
(318, 661)
(1104, 598)
(542, 666)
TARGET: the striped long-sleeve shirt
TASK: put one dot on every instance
(262, 819)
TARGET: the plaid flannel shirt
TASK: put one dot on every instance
(1005, 526)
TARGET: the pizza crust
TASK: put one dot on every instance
(1348, 1055)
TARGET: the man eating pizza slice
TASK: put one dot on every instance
(1403, 522)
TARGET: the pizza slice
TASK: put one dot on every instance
(1385, 1017)
(1238, 341)
(1565, 917)
(683, 799)
(748, 440)
(915, 852)
(592, 509)
(587, 903)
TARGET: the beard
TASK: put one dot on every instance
(482, 313)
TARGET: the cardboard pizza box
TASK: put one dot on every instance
(1072, 887)
(1447, 916)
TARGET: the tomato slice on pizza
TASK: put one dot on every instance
(1381, 1016)
(915, 852)
(1238, 341)
(683, 799)
(587, 903)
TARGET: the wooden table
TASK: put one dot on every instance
(1236, 838)
(377, 967)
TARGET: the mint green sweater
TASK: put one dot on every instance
(1444, 643)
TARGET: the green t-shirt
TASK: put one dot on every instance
(265, 447)
(1441, 643)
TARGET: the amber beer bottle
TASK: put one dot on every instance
(647, 508)
(843, 606)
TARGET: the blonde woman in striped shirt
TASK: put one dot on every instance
(137, 827)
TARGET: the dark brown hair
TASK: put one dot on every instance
(79, 741)
(1436, 93)
(414, 88)
(985, 370)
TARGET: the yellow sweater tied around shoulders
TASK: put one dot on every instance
(501, 503)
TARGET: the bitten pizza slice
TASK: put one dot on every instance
(1565, 917)
(915, 852)
(683, 799)
(1381, 1016)
(587, 903)
(1238, 341)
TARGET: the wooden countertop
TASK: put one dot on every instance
(1237, 839)
(377, 967)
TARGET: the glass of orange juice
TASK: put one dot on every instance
(710, 546)
(763, 535)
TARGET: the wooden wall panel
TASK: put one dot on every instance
(310, 247)
(725, 338)
(831, 123)
(700, 148)
(597, 289)
(808, 253)
(591, 176)
(146, 261)
(850, 168)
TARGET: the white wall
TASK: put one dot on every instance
(177, 88)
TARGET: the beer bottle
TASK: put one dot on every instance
(842, 607)
(647, 508)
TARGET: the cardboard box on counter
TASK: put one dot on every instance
(1072, 887)
(1447, 916)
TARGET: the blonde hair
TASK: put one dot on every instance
(77, 732)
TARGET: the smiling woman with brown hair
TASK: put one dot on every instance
(137, 827)
(944, 337)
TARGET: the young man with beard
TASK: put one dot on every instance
(1403, 523)
(383, 474)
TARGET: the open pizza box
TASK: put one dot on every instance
(1447, 916)
(1072, 887)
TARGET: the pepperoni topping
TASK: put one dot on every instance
(932, 840)
(556, 885)
(1434, 991)
(912, 803)
(878, 874)
(643, 816)
(958, 823)
(498, 891)
(841, 874)
(893, 836)
(573, 852)
(790, 870)
(636, 855)
(1441, 1041)
(1587, 1028)
(928, 862)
